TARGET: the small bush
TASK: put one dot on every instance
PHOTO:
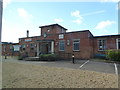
(113, 55)
(48, 57)
(21, 57)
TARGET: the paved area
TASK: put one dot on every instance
(118, 66)
(79, 64)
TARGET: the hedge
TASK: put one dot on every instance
(48, 57)
(113, 55)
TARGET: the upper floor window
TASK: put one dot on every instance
(76, 45)
(61, 36)
(61, 45)
(101, 45)
(62, 30)
(118, 43)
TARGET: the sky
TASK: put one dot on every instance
(100, 17)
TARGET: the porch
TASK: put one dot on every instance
(45, 47)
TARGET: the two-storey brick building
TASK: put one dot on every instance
(55, 39)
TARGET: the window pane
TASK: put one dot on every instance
(76, 45)
(102, 44)
(61, 45)
(61, 36)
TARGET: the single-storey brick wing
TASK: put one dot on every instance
(55, 39)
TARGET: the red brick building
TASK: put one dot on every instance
(10, 49)
(55, 39)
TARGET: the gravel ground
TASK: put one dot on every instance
(18, 75)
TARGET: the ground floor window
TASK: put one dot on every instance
(76, 45)
(101, 45)
(118, 43)
(61, 45)
(23, 46)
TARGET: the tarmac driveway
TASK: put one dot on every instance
(99, 67)
(96, 66)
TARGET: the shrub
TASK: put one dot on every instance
(49, 57)
(21, 57)
(113, 55)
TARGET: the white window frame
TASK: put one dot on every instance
(61, 36)
(117, 43)
(73, 44)
(64, 45)
(105, 45)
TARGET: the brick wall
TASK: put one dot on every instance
(110, 43)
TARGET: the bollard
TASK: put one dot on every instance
(73, 59)
(5, 57)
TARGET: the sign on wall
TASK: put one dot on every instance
(28, 40)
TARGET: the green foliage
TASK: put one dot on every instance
(113, 55)
(20, 57)
(48, 57)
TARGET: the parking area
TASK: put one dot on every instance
(90, 65)
(87, 65)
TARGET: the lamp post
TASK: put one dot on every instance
(73, 59)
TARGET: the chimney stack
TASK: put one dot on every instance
(27, 33)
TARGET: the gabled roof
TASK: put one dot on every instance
(52, 25)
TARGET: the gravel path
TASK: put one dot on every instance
(19, 75)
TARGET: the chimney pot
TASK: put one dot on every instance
(27, 33)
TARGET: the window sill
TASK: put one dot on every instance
(76, 50)
(101, 50)
(61, 50)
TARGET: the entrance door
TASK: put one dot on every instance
(44, 48)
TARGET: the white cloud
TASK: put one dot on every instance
(92, 13)
(78, 21)
(76, 14)
(104, 24)
(23, 13)
(58, 20)
(6, 2)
